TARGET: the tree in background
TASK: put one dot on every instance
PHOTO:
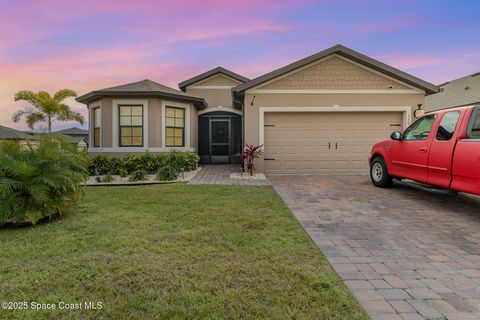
(46, 108)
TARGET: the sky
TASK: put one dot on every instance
(86, 45)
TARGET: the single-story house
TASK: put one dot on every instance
(77, 136)
(9, 134)
(320, 114)
(456, 93)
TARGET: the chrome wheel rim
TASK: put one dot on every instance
(377, 172)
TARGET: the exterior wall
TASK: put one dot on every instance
(216, 90)
(334, 73)
(217, 80)
(214, 97)
(382, 101)
(153, 126)
(455, 94)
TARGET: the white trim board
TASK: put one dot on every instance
(325, 91)
(187, 123)
(220, 109)
(262, 110)
(212, 87)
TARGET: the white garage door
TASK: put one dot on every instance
(324, 142)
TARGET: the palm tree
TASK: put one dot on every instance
(46, 108)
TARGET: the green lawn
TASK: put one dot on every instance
(173, 251)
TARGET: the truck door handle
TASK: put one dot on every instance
(424, 149)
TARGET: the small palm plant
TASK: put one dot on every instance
(46, 108)
(40, 181)
(250, 152)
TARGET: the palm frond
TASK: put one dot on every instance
(35, 117)
(61, 95)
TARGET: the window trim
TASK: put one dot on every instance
(94, 119)
(440, 122)
(429, 133)
(473, 115)
(167, 126)
(120, 126)
(187, 137)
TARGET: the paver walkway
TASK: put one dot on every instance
(404, 253)
(220, 174)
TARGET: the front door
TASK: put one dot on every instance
(220, 140)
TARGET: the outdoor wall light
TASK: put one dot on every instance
(419, 112)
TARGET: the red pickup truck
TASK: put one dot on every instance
(441, 149)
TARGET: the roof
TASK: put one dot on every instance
(73, 131)
(349, 54)
(459, 92)
(12, 134)
(144, 88)
(182, 85)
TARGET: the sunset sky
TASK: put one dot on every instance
(91, 44)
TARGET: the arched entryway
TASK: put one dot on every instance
(219, 137)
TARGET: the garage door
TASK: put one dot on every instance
(324, 142)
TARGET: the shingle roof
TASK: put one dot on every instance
(182, 85)
(144, 88)
(73, 131)
(349, 54)
(12, 134)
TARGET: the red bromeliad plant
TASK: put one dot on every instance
(250, 152)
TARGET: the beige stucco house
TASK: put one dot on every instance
(320, 114)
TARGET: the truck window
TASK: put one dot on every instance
(447, 125)
(474, 125)
(420, 129)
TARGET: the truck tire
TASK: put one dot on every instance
(379, 173)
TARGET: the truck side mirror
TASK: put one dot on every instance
(396, 135)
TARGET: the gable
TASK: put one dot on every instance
(334, 73)
(217, 80)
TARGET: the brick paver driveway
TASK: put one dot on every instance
(404, 253)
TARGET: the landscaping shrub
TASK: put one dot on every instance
(106, 178)
(167, 173)
(40, 181)
(138, 175)
(147, 162)
(122, 172)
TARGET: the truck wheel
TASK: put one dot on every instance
(379, 173)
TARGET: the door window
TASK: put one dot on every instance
(447, 125)
(474, 126)
(420, 129)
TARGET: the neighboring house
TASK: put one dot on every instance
(460, 92)
(320, 114)
(9, 134)
(77, 136)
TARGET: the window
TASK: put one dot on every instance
(447, 125)
(474, 125)
(131, 125)
(174, 127)
(96, 126)
(420, 129)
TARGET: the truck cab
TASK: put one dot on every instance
(441, 149)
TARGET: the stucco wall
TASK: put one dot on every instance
(251, 113)
(214, 97)
(217, 80)
(334, 73)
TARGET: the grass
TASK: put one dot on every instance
(173, 252)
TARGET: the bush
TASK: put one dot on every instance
(147, 162)
(40, 181)
(167, 173)
(138, 175)
(122, 172)
(106, 178)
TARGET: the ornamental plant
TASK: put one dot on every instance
(250, 152)
(40, 181)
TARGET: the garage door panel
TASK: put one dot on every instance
(299, 141)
